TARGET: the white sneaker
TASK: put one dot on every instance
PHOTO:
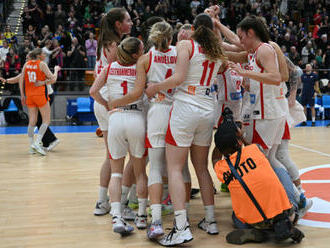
(155, 230)
(128, 214)
(101, 208)
(176, 237)
(31, 150)
(37, 147)
(141, 221)
(209, 227)
(52, 145)
(302, 211)
(120, 226)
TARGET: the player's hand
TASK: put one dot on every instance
(237, 68)
(115, 110)
(151, 89)
(57, 68)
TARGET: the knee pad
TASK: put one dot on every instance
(157, 165)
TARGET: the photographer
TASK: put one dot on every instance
(76, 56)
(259, 200)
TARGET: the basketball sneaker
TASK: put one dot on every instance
(120, 226)
(52, 145)
(102, 208)
(31, 150)
(38, 148)
(304, 206)
(176, 236)
(128, 214)
(155, 230)
(141, 221)
(209, 227)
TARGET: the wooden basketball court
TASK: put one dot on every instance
(49, 201)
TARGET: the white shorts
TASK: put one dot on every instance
(265, 132)
(126, 134)
(158, 116)
(235, 107)
(101, 115)
(189, 124)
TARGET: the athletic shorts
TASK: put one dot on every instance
(189, 124)
(307, 99)
(101, 115)
(266, 133)
(235, 107)
(158, 116)
(36, 101)
(126, 133)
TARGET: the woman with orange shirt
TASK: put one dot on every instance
(35, 96)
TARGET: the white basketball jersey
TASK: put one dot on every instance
(99, 65)
(196, 89)
(161, 66)
(263, 97)
(229, 86)
(120, 81)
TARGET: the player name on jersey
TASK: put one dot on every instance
(123, 71)
(32, 67)
(165, 59)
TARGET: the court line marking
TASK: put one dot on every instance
(310, 150)
(315, 181)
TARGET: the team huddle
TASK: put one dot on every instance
(158, 103)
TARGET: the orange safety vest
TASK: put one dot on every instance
(32, 75)
(262, 181)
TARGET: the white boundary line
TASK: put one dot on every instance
(310, 150)
(315, 181)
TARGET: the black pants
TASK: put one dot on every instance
(49, 136)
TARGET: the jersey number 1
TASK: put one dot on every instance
(124, 85)
(206, 65)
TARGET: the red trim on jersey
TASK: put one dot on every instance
(145, 153)
(167, 50)
(150, 61)
(124, 65)
(193, 49)
(169, 137)
(110, 156)
(225, 83)
(260, 66)
(147, 142)
(106, 77)
(221, 117)
(286, 134)
(262, 100)
(256, 139)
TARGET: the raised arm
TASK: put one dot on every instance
(97, 85)
(184, 49)
(139, 85)
(49, 75)
(237, 57)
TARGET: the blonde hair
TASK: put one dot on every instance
(161, 34)
(126, 49)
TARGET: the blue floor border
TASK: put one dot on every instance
(90, 129)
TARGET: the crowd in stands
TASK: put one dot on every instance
(67, 30)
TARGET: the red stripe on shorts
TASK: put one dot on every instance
(256, 139)
(169, 137)
(286, 134)
(147, 142)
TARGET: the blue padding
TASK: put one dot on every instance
(12, 107)
(83, 105)
(326, 101)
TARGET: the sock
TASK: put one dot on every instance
(41, 132)
(300, 189)
(156, 212)
(124, 193)
(31, 134)
(143, 202)
(209, 213)
(115, 209)
(180, 218)
(165, 191)
(132, 194)
(103, 194)
(187, 205)
(313, 119)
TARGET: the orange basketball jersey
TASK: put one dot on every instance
(32, 75)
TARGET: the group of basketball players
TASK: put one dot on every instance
(168, 99)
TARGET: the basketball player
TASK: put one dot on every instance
(114, 25)
(36, 97)
(191, 124)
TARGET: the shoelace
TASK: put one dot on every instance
(170, 235)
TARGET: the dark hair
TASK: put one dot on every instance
(257, 25)
(108, 33)
(205, 36)
(226, 139)
(126, 49)
(145, 29)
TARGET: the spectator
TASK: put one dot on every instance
(294, 56)
(76, 56)
(310, 82)
(8, 34)
(307, 53)
(57, 58)
(44, 35)
(26, 19)
(323, 42)
(3, 53)
(12, 64)
(46, 50)
(31, 32)
(49, 18)
(194, 4)
(24, 49)
(91, 45)
(59, 16)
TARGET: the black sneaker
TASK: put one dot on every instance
(241, 236)
(304, 124)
